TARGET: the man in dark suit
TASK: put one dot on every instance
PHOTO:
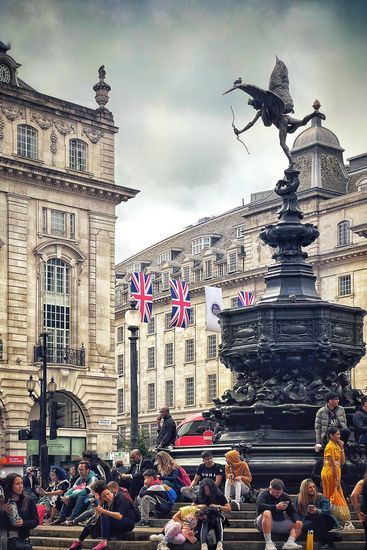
(133, 480)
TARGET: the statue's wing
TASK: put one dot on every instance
(273, 101)
(279, 84)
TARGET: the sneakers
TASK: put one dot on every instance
(292, 546)
(76, 544)
(162, 546)
(156, 538)
(235, 505)
(219, 545)
(100, 546)
(67, 523)
(142, 523)
(270, 546)
(204, 546)
(348, 526)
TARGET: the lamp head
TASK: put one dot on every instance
(132, 316)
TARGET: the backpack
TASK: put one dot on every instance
(134, 512)
(184, 477)
(171, 493)
(126, 494)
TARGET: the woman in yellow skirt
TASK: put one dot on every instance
(334, 458)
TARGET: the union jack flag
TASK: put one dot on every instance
(141, 290)
(246, 298)
(181, 305)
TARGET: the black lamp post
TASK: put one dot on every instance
(132, 319)
(42, 400)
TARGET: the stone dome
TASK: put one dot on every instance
(316, 135)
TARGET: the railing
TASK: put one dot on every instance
(61, 356)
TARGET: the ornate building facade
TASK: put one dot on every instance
(57, 243)
(180, 368)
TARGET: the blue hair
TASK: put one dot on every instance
(60, 472)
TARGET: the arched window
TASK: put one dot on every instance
(78, 155)
(343, 233)
(73, 415)
(27, 141)
(56, 308)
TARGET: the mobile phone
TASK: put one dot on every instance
(310, 507)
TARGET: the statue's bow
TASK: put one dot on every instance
(237, 136)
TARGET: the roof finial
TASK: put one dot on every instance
(317, 120)
(316, 105)
(102, 88)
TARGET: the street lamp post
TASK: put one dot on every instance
(46, 389)
(132, 319)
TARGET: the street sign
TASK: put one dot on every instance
(104, 422)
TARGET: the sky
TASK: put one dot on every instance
(168, 63)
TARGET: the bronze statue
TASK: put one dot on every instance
(274, 106)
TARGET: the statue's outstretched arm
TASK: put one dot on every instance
(248, 126)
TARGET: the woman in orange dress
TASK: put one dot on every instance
(334, 458)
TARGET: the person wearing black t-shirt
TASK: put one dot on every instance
(116, 515)
(207, 470)
(215, 504)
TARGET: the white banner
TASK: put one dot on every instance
(214, 305)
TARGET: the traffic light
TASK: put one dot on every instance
(57, 417)
(32, 433)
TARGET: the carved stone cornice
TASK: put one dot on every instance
(43, 122)
(54, 179)
(64, 128)
(12, 113)
(92, 134)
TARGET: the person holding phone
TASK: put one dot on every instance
(276, 514)
(315, 512)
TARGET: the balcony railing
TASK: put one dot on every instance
(61, 356)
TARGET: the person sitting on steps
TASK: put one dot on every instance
(271, 508)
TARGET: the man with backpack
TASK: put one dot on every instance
(154, 497)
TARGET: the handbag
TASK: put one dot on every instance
(339, 506)
(17, 543)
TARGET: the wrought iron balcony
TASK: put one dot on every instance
(61, 356)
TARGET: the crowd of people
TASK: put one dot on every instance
(108, 502)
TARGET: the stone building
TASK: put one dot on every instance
(57, 242)
(180, 367)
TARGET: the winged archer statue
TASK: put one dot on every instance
(274, 106)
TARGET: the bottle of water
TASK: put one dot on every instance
(13, 514)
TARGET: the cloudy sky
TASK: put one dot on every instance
(168, 62)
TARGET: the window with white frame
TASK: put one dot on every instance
(120, 334)
(240, 231)
(189, 351)
(186, 273)
(26, 141)
(56, 308)
(151, 326)
(78, 155)
(212, 387)
(151, 358)
(344, 233)
(212, 346)
(344, 285)
(133, 267)
(58, 223)
(168, 355)
(197, 245)
(235, 303)
(164, 257)
(120, 401)
(169, 401)
(221, 270)
(189, 391)
(167, 321)
(198, 275)
(165, 280)
(208, 269)
(151, 397)
(120, 364)
(191, 313)
(232, 262)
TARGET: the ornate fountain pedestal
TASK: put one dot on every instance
(288, 352)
